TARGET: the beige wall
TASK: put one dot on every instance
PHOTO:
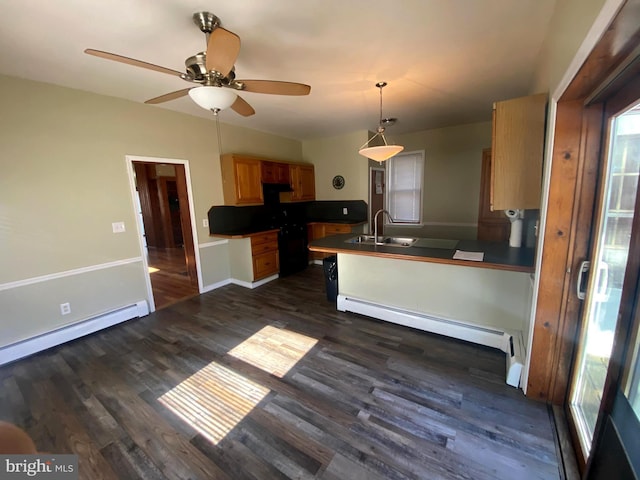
(339, 156)
(569, 25)
(453, 160)
(64, 181)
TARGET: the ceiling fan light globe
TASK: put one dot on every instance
(381, 153)
(213, 98)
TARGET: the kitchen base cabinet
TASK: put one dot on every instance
(264, 254)
(321, 230)
(254, 257)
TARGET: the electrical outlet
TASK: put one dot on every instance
(118, 227)
(205, 223)
(65, 308)
(345, 211)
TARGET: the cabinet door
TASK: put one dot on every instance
(307, 183)
(269, 172)
(265, 264)
(518, 142)
(302, 182)
(247, 174)
(281, 172)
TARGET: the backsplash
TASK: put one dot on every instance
(232, 220)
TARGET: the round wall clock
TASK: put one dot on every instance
(338, 182)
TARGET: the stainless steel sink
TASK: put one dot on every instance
(399, 241)
(386, 241)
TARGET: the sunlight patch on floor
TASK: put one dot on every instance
(274, 350)
(153, 269)
(214, 400)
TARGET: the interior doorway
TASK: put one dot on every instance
(164, 212)
(376, 196)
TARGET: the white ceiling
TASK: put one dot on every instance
(445, 61)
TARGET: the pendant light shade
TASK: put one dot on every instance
(382, 152)
(213, 98)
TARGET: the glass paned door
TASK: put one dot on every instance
(610, 253)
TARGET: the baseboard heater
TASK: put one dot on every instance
(509, 342)
(67, 333)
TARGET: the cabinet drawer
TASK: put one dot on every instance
(333, 228)
(264, 238)
(265, 264)
(264, 247)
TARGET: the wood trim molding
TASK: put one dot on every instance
(573, 178)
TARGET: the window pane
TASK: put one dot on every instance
(404, 194)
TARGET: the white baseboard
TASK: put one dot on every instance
(242, 283)
(213, 286)
(490, 337)
(42, 342)
(515, 352)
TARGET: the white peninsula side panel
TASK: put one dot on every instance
(483, 297)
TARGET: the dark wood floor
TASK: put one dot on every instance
(275, 383)
(169, 277)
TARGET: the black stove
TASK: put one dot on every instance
(292, 241)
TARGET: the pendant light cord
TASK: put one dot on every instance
(216, 112)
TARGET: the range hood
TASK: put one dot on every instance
(277, 187)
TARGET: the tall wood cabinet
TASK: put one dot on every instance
(517, 148)
(241, 180)
(493, 225)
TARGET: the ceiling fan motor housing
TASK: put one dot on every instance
(206, 21)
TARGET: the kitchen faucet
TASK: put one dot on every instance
(375, 224)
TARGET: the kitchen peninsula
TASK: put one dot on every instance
(423, 287)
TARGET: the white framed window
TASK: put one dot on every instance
(405, 173)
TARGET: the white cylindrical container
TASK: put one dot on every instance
(515, 217)
(515, 239)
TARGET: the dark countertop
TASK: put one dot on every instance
(245, 234)
(496, 255)
(256, 230)
(340, 222)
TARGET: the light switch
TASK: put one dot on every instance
(118, 227)
(205, 223)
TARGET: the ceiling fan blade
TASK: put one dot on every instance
(168, 96)
(274, 87)
(131, 61)
(222, 50)
(241, 107)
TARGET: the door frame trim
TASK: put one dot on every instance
(129, 159)
(384, 192)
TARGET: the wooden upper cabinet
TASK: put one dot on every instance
(518, 144)
(274, 172)
(241, 180)
(303, 182)
(493, 226)
(243, 176)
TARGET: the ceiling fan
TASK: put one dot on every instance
(214, 71)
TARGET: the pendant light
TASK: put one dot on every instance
(382, 152)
